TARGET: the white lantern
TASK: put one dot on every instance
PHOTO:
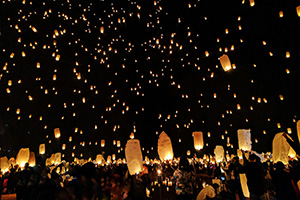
(42, 149)
(23, 157)
(244, 138)
(245, 189)
(57, 158)
(4, 164)
(164, 147)
(57, 133)
(280, 149)
(100, 159)
(219, 153)
(12, 161)
(134, 156)
(31, 160)
(298, 129)
(225, 62)
(198, 140)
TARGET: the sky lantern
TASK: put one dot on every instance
(225, 62)
(31, 160)
(23, 157)
(102, 143)
(56, 133)
(102, 29)
(198, 140)
(132, 136)
(4, 167)
(134, 156)
(298, 11)
(118, 143)
(252, 3)
(63, 147)
(280, 149)
(99, 159)
(164, 147)
(219, 153)
(298, 130)
(244, 139)
(244, 185)
(57, 158)
(42, 149)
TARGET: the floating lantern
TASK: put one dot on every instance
(219, 153)
(57, 133)
(252, 3)
(118, 143)
(134, 156)
(57, 158)
(198, 140)
(23, 157)
(298, 11)
(63, 147)
(225, 62)
(4, 167)
(132, 136)
(164, 147)
(31, 160)
(42, 149)
(244, 138)
(188, 153)
(280, 149)
(102, 143)
(100, 159)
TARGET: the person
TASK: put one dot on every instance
(255, 177)
(138, 184)
(234, 182)
(283, 182)
(184, 177)
(1, 183)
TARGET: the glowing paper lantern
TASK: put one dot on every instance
(4, 164)
(102, 143)
(57, 133)
(164, 147)
(245, 189)
(108, 159)
(252, 3)
(292, 153)
(134, 156)
(219, 153)
(298, 129)
(12, 161)
(244, 138)
(31, 160)
(298, 11)
(198, 140)
(225, 62)
(57, 158)
(42, 149)
(280, 149)
(100, 159)
(23, 157)
(48, 162)
(118, 143)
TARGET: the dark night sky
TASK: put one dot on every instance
(130, 64)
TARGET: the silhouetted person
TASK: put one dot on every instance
(283, 182)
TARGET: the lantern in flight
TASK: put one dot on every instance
(244, 138)
(57, 133)
(23, 157)
(42, 149)
(225, 62)
(164, 147)
(280, 149)
(134, 156)
(198, 140)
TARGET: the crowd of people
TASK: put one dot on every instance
(189, 179)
